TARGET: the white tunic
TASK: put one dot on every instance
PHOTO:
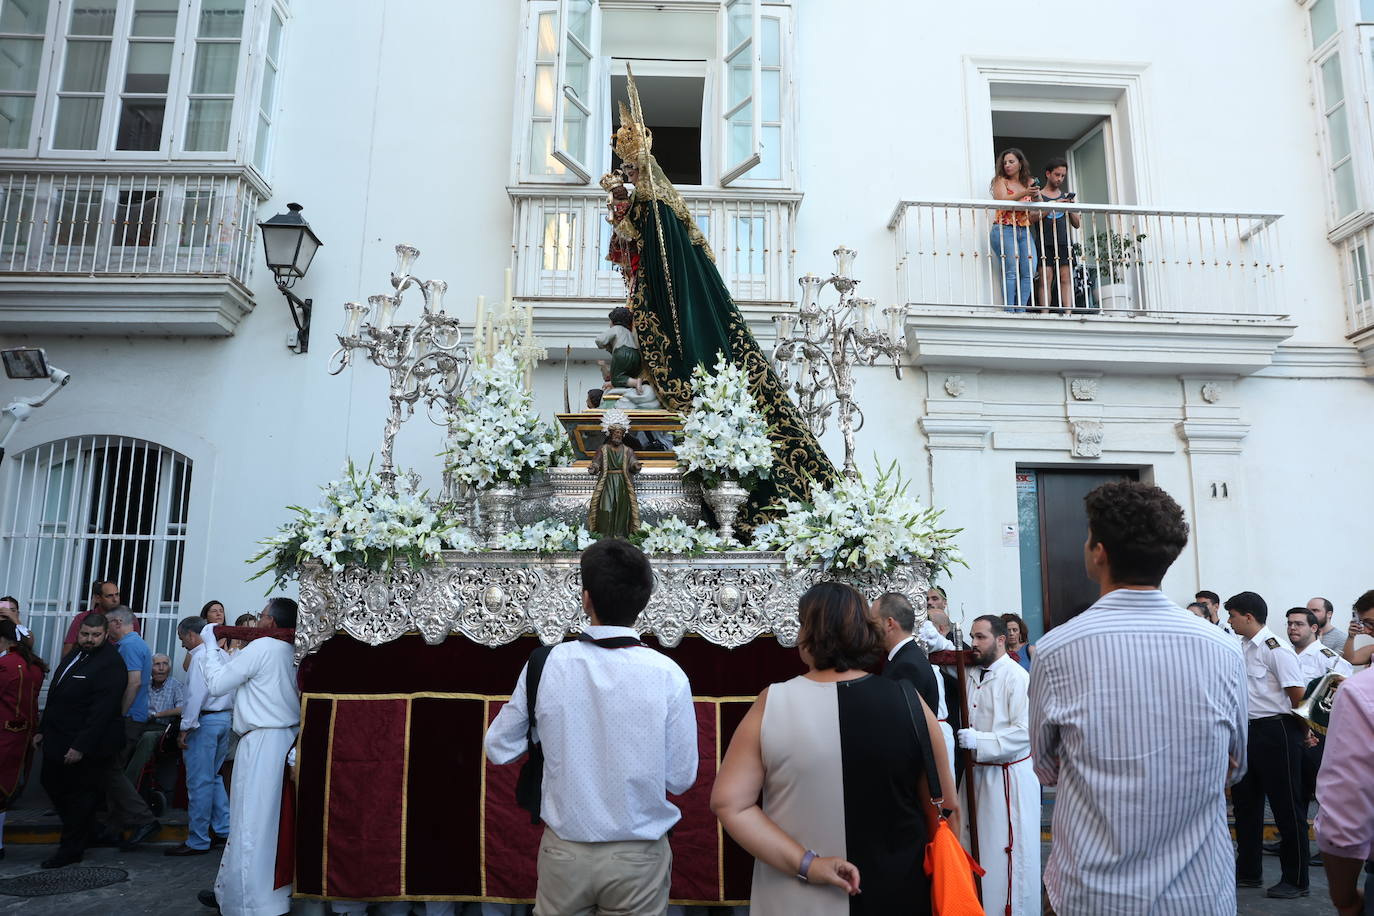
(267, 710)
(1007, 792)
(1317, 659)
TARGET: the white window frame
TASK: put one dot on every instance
(256, 73)
(1352, 41)
(603, 120)
(41, 96)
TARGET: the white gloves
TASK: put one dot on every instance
(930, 638)
(967, 738)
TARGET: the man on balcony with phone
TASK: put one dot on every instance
(1054, 291)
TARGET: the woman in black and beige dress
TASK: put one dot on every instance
(835, 755)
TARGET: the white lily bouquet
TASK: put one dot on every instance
(546, 536)
(358, 523)
(860, 525)
(725, 437)
(497, 438)
(673, 535)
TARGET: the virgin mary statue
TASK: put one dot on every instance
(684, 316)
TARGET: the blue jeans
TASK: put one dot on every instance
(1016, 248)
(206, 748)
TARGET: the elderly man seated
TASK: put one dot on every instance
(166, 695)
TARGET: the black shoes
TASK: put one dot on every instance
(61, 859)
(139, 835)
(1285, 891)
(184, 850)
(207, 898)
(1249, 882)
(1271, 849)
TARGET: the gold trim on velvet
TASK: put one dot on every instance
(405, 796)
(328, 772)
(482, 802)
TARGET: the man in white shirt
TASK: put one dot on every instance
(204, 741)
(1138, 718)
(618, 730)
(1315, 660)
(1003, 776)
(1274, 685)
(267, 710)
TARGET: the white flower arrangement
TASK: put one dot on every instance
(857, 525)
(673, 535)
(725, 437)
(358, 523)
(497, 437)
(546, 536)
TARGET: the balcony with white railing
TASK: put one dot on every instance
(560, 240)
(1147, 290)
(109, 250)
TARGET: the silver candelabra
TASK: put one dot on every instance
(822, 344)
(427, 360)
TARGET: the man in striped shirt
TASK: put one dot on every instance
(1138, 715)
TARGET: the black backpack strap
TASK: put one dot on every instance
(918, 722)
(613, 642)
(529, 786)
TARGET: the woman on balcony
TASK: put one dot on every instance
(1010, 237)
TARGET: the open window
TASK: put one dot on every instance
(1084, 139)
(573, 108)
(741, 69)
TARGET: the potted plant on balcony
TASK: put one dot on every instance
(1109, 256)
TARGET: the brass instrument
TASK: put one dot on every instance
(1315, 708)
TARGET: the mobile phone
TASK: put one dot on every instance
(1071, 195)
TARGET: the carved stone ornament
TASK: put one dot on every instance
(1211, 392)
(955, 385)
(1083, 389)
(1087, 438)
(494, 598)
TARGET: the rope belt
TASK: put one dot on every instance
(1006, 790)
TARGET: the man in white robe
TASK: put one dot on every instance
(267, 710)
(1007, 792)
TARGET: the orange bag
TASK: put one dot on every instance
(949, 865)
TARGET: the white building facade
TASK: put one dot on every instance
(1230, 142)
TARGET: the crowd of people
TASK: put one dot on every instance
(1139, 713)
(116, 725)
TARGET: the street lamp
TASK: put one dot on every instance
(289, 244)
(27, 363)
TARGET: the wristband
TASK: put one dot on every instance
(805, 865)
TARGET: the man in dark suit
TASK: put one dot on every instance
(80, 731)
(906, 660)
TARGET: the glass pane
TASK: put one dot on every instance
(1338, 134)
(741, 135)
(150, 64)
(217, 65)
(1359, 263)
(577, 73)
(24, 17)
(740, 22)
(207, 125)
(78, 124)
(749, 244)
(274, 37)
(140, 124)
(260, 145)
(93, 17)
(16, 116)
(269, 89)
(156, 18)
(1367, 10)
(741, 80)
(770, 161)
(541, 150)
(543, 90)
(1323, 18)
(574, 129)
(771, 95)
(1345, 187)
(221, 18)
(770, 42)
(580, 20)
(19, 59)
(1332, 88)
(135, 219)
(197, 213)
(78, 218)
(546, 47)
(87, 64)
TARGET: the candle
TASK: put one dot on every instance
(844, 261)
(509, 297)
(434, 295)
(865, 307)
(529, 323)
(382, 309)
(477, 328)
(353, 316)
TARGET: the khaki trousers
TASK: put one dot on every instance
(628, 878)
